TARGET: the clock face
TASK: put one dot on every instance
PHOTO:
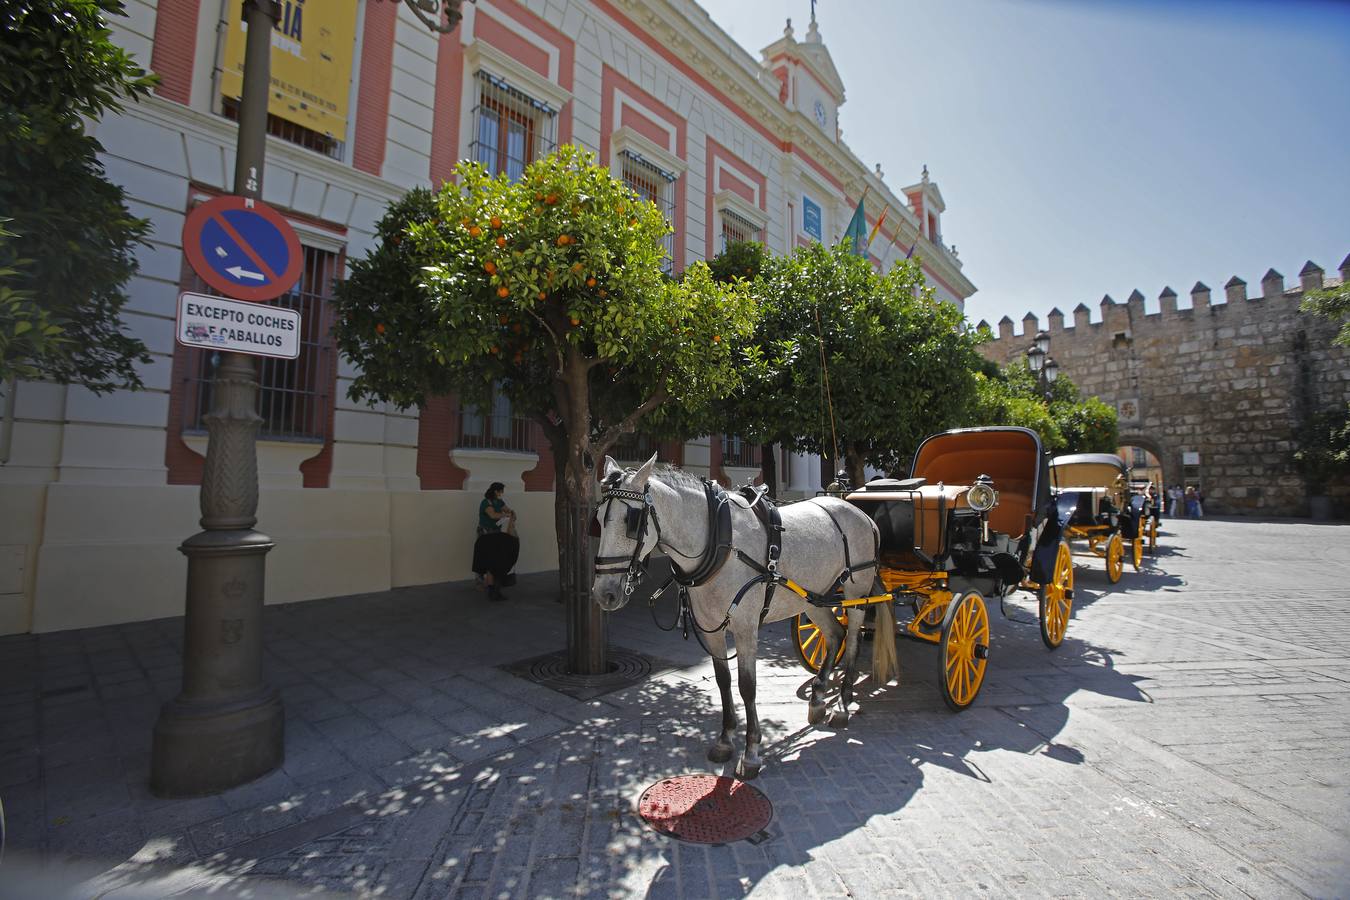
(820, 113)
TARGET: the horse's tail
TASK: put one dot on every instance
(885, 660)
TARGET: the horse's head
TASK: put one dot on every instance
(625, 531)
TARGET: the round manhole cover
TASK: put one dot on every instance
(705, 809)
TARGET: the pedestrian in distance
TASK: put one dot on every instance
(1192, 504)
(497, 547)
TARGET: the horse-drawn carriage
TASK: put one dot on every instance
(1097, 506)
(973, 521)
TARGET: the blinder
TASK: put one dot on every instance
(635, 529)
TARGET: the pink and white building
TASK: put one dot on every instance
(99, 491)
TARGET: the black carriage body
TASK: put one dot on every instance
(927, 524)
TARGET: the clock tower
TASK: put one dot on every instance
(808, 81)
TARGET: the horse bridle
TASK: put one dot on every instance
(635, 522)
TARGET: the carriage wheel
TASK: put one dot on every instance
(1115, 558)
(810, 641)
(1152, 537)
(1137, 552)
(964, 650)
(1057, 599)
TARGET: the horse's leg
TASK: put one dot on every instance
(823, 619)
(750, 763)
(721, 751)
(851, 642)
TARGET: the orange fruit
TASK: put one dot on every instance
(551, 199)
(564, 240)
(590, 282)
(475, 231)
(538, 196)
(379, 328)
(575, 321)
(464, 221)
(492, 350)
(717, 339)
(501, 241)
(576, 267)
(604, 293)
(490, 267)
(543, 295)
(496, 222)
(503, 292)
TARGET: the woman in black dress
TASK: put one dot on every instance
(496, 549)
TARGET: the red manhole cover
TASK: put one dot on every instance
(705, 809)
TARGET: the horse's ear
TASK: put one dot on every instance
(610, 468)
(640, 479)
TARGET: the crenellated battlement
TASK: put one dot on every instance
(1226, 380)
(1112, 314)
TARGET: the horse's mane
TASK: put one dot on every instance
(674, 475)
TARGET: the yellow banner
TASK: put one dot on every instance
(312, 48)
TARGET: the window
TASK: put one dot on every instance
(494, 428)
(738, 229)
(511, 129)
(295, 395)
(737, 451)
(653, 183)
(634, 447)
(289, 131)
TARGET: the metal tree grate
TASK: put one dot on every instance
(706, 809)
(626, 669)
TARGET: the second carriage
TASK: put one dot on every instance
(975, 520)
(1095, 502)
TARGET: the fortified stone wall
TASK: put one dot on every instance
(1231, 381)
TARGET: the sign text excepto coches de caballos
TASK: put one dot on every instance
(214, 323)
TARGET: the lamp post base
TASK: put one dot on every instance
(205, 748)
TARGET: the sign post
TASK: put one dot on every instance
(226, 726)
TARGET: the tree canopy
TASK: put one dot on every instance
(1066, 423)
(73, 249)
(1333, 303)
(891, 363)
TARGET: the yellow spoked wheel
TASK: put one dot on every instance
(810, 640)
(1115, 558)
(1137, 552)
(1057, 599)
(964, 650)
(1152, 537)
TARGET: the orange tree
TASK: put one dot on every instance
(550, 290)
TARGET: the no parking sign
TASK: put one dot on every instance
(242, 248)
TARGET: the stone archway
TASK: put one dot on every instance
(1169, 459)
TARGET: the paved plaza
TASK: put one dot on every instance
(1191, 737)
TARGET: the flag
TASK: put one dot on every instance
(877, 227)
(857, 229)
(913, 245)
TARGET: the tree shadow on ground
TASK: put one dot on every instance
(417, 767)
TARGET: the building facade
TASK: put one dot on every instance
(367, 103)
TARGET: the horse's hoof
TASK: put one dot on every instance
(719, 753)
(839, 720)
(748, 771)
(815, 713)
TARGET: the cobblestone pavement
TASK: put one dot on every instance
(1192, 736)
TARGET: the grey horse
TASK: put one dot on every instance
(642, 511)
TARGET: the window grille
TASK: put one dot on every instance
(289, 131)
(636, 447)
(654, 184)
(737, 229)
(737, 451)
(511, 128)
(295, 395)
(496, 428)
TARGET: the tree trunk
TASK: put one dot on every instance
(768, 462)
(585, 620)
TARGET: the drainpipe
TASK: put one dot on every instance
(7, 424)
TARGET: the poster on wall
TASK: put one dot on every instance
(811, 217)
(312, 48)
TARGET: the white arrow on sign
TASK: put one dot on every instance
(241, 272)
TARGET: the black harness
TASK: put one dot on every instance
(714, 555)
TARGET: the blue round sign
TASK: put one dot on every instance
(242, 248)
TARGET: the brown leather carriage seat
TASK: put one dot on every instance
(1010, 458)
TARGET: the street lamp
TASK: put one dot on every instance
(429, 11)
(1042, 365)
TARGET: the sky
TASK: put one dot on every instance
(1092, 147)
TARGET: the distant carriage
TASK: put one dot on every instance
(1092, 492)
